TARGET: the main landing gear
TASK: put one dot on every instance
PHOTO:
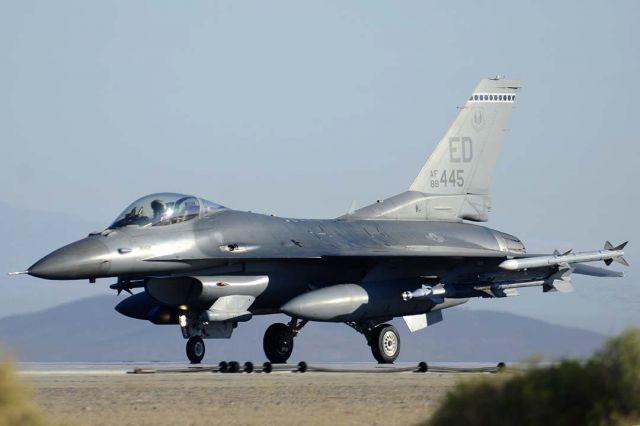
(278, 340)
(195, 349)
(383, 339)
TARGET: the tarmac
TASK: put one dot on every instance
(167, 393)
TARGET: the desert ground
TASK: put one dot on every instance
(282, 398)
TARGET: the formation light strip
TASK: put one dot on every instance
(492, 97)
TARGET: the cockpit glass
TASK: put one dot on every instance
(164, 209)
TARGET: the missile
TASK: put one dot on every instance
(126, 285)
(608, 255)
(424, 292)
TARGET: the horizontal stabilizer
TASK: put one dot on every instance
(594, 271)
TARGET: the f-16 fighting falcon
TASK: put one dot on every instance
(207, 268)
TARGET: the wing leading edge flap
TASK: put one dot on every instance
(420, 321)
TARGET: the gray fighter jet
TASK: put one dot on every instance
(206, 268)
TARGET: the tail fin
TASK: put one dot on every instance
(454, 183)
(464, 159)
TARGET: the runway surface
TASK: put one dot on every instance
(105, 394)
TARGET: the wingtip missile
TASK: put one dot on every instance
(608, 255)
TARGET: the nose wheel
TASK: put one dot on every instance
(195, 349)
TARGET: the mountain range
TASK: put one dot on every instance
(89, 330)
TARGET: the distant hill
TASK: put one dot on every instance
(90, 330)
(27, 236)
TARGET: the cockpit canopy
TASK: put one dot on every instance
(164, 208)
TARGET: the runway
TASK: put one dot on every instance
(105, 394)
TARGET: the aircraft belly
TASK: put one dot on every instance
(287, 280)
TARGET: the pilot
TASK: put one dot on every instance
(159, 208)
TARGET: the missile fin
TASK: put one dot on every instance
(621, 246)
(618, 259)
(621, 260)
(609, 246)
(557, 253)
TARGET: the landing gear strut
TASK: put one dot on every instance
(195, 349)
(278, 340)
(383, 339)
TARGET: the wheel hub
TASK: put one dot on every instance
(389, 343)
(198, 349)
(284, 344)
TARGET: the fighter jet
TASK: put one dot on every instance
(206, 268)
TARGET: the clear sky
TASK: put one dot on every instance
(298, 108)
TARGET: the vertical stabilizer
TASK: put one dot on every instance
(464, 159)
(453, 185)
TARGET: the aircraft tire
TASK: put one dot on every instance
(195, 349)
(278, 343)
(385, 344)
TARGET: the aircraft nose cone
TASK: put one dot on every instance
(86, 258)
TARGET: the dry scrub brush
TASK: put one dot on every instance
(16, 405)
(603, 390)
